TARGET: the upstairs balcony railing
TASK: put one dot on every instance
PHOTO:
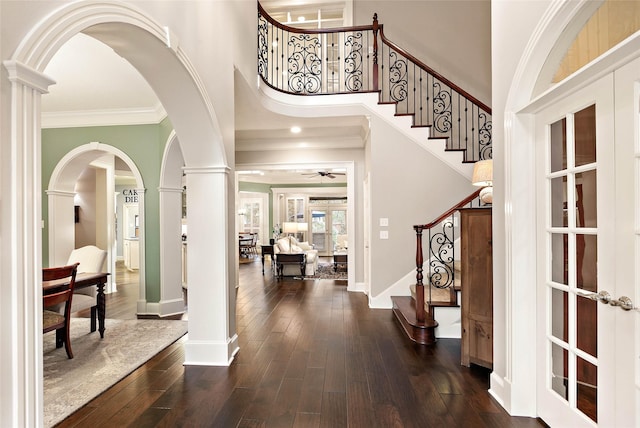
(362, 59)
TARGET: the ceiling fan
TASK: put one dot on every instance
(324, 174)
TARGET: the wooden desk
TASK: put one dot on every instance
(267, 249)
(290, 259)
(83, 280)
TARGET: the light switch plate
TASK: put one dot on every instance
(384, 222)
(384, 234)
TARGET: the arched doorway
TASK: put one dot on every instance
(60, 196)
(147, 45)
(528, 111)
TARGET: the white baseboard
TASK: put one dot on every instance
(210, 353)
(358, 287)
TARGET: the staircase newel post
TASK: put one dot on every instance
(420, 313)
(375, 52)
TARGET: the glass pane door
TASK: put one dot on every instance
(339, 230)
(319, 228)
(574, 240)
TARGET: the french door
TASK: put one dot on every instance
(329, 229)
(586, 257)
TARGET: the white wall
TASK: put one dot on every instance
(513, 25)
(452, 37)
(409, 186)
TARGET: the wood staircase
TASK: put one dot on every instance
(362, 60)
(416, 312)
(404, 308)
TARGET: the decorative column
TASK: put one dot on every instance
(171, 299)
(211, 296)
(142, 277)
(21, 248)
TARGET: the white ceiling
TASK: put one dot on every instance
(101, 86)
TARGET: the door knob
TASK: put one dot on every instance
(602, 296)
(624, 302)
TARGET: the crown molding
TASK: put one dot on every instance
(86, 118)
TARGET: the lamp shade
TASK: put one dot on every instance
(289, 227)
(483, 173)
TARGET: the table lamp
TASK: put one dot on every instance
(290, 228)
(483, 177)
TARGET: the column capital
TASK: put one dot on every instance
(60, 193)
(207, 170)
(27, 76)
(170, 189)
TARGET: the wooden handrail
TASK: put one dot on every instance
(433, 72)
(275, 23)
(450, 211)
(343, 60)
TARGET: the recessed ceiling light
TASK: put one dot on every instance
(295, 129)
(301, 19)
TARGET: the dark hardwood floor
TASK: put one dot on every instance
(311, 355)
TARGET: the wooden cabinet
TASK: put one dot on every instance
(476, 263)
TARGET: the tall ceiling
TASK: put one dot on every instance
(100, 86)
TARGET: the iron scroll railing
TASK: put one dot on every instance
(362, 59)
(440, 255)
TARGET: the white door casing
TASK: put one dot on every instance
(561, 358)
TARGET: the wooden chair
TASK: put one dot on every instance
(53, 320)
(254, 244)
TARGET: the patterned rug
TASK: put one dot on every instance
(325, 271)
(99, 363)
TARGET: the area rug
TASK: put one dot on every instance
(325, 271)
(99, 363)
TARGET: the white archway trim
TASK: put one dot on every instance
(42, 43)
(21, 245)
(58, 175)
(22, 189)
(513, 379)
(60, 214)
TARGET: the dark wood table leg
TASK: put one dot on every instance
(263, 263)
(101, 303)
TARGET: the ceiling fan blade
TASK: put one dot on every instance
(330, 175)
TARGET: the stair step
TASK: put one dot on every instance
(404, 309)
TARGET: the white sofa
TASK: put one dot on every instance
(290, 245)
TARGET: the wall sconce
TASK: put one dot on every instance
(483, 177)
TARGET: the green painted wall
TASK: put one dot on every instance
(144, 144)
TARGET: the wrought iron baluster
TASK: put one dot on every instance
(441, 256)
(334, 61)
